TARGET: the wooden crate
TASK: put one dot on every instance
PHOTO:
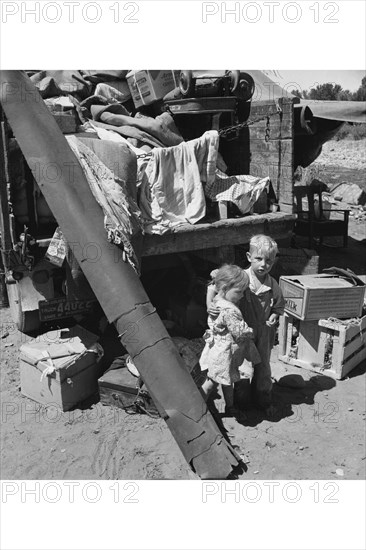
(331, 347)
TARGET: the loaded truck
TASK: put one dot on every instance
(257, 138)
(55, 278)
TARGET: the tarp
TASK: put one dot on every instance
(345, 111)
(329, 117)
(266, 88)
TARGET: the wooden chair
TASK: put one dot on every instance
(316, 222)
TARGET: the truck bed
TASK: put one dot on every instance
(232, 231)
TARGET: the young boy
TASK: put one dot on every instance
(261, 306)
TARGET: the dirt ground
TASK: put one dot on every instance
(318, 431)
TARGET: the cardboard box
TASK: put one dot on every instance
(321, 296)
(66, 121)
(57, 249)
(60, 367)
(149, 86)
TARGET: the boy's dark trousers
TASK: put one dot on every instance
(264, 337)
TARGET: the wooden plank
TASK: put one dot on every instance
(354, 345)
(300, 363)
(281, 177)
(314, 368)
(274, 148)
(263, 107)
(285, 333)
(352, 330)
(285, 197)
(275, 172)
(277, 155)
(271, 169)
(289, 334)
(275, 122)
(353, 362)
(286, 222)
(232, 231)
(282, 333)
(337, 351)
(323, 340)
(276, 130)
(265, 158)
(286, 208)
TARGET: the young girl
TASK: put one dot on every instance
(229, 340)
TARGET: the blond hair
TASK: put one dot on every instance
(230, 276)
(263, 244)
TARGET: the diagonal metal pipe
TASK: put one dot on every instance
(115, 284)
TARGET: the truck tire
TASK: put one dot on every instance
(26, 321)
(246, 87)
(186, 83)
(234, 80)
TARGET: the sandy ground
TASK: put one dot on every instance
(342, 162)
(316, 433)
(346, 153)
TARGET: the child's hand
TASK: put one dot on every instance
(272, 320)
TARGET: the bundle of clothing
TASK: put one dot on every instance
(175, 181)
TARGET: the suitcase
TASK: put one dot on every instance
(119, 388)
(60, 367)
